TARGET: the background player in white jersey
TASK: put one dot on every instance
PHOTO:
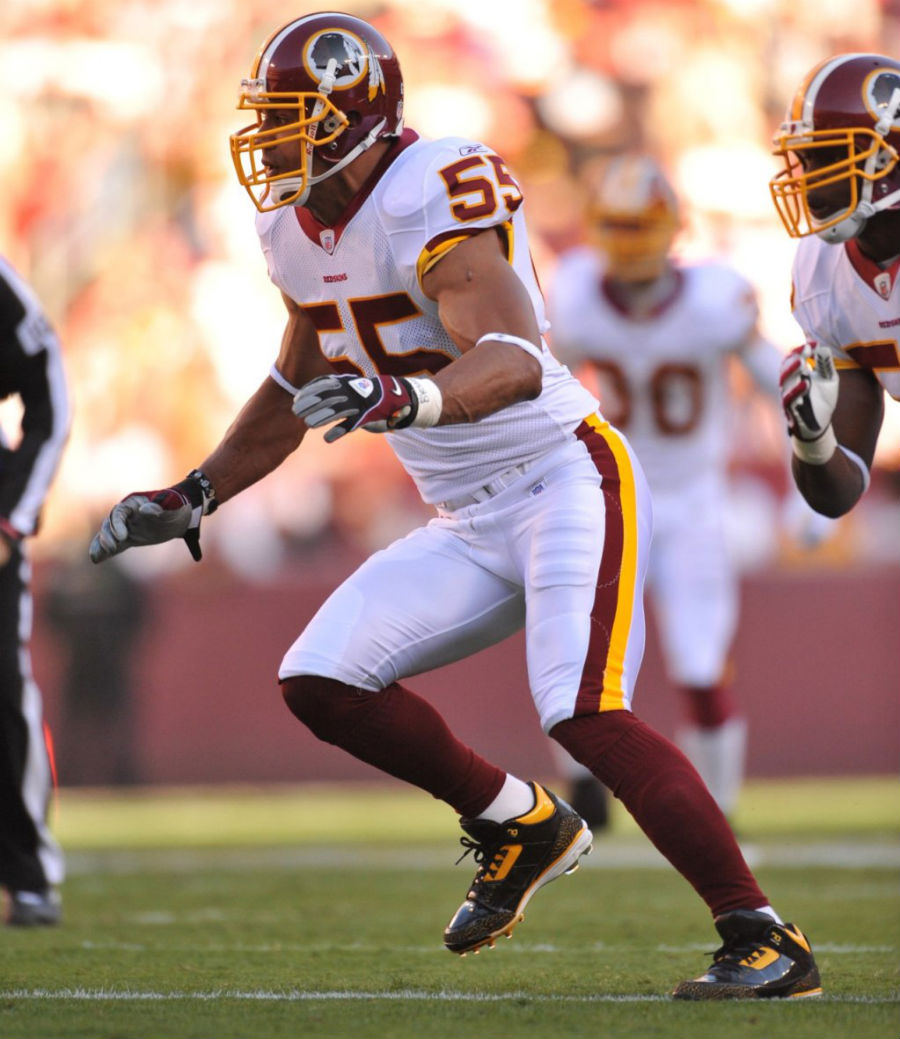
(654, 335)
(839, 192)
(413, 311)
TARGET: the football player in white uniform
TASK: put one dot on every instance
(654, 336)
(413, 311)
(839, 192)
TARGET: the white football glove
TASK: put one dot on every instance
(809, 393)
(809, 390)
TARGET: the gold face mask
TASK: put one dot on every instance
(831, 164)
(282, 123)
(635, 249)
(633, 218)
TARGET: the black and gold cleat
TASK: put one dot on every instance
(759, 959)
(515, 859)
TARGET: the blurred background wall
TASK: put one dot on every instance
(815, 658)
(120, 205)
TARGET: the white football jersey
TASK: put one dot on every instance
(361, 284)
(846, 301)
(662, 380)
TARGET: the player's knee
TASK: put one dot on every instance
(589, 737)
(322, 704)
(709, 706)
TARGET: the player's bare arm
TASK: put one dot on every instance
(266, 431)
(761, 358)
(478, 293)
(488, 313)
(834, 487)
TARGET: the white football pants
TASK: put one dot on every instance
(693, 583)
(561, 550)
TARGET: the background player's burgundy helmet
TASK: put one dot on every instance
(633, 217)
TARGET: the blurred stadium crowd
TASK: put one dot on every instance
(121, 207)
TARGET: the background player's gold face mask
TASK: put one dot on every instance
(633, 218)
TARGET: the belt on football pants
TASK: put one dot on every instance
(487, 490)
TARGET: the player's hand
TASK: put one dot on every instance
(380, 404)
(151, 517)
(809, 391)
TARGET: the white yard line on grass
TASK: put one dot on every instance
(619, 854)
(522, 948)
(297, 996)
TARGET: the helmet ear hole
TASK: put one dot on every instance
(353, 120)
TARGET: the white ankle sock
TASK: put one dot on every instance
(515, 799)
(769, 911)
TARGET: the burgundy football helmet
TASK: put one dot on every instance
(840, 136)
(331, 83)
(633, 215)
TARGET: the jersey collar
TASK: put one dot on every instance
(658, 309)
(327, 237)
(880, 280)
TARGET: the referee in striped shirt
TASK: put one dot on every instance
(31, 369)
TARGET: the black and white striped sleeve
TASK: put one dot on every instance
(31, 367)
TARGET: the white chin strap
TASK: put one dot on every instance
(366, 143)
(849, 227)
(291, 184)
(854, 222)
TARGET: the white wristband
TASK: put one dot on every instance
(276, 376)
(431, 402)
(523, 344)
(818, 451)
(860, 464)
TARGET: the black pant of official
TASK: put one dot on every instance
(30, 860)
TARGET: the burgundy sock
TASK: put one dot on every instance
(669, 801)
(398, 732)
(708, 707)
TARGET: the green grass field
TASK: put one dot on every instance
(318, 911)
